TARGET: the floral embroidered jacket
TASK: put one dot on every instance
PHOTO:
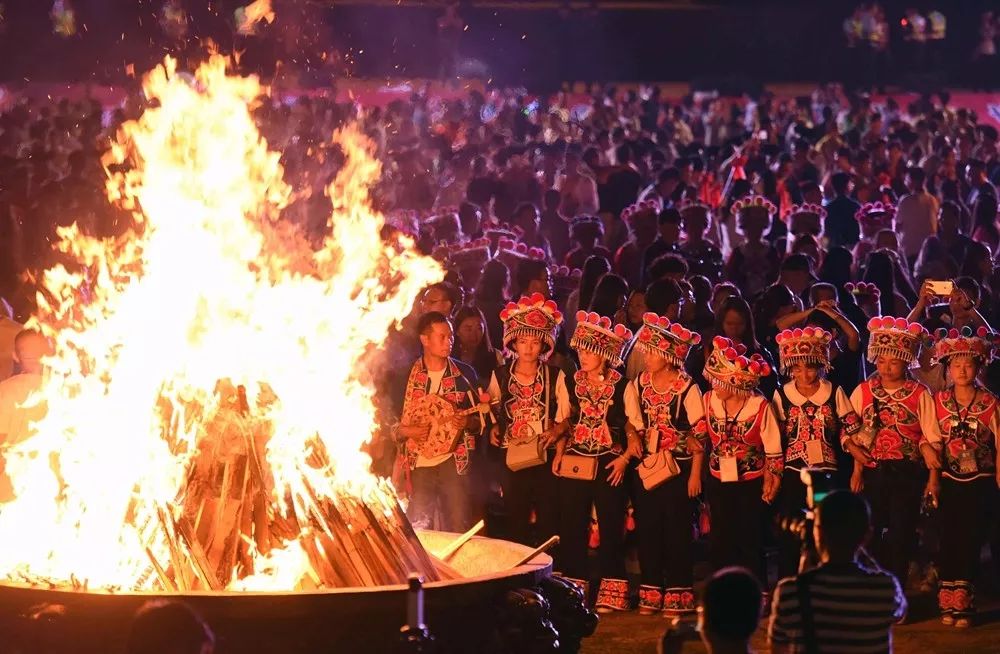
(672, 413)
(970, 435)
(902, 419)
(458, 387)
(752, 436)
(826, 416)
(600, 424)
(522, 404)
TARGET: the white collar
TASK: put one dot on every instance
(817, 398)
(751, 406)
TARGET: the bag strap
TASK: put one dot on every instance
(809, 642)
(548, 390)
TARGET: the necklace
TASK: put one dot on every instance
(727, 424)
(963, 411)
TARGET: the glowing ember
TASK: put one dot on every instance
(247, 17)
(209, 331)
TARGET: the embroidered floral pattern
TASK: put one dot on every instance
(957, 598)
(524, 406)
(678, 600)
(418, 386)
(591, 435)
(737, 438)
(966, 434)
(897, 419)
(651, 598)
(613, 594)
(658, 409)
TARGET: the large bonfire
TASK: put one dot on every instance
(207, 405)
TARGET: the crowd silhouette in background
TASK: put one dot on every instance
(739, 220)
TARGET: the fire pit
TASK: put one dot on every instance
(207, 407)
(494, 609)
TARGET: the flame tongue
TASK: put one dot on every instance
(208, 286)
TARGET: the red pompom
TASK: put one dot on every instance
(730, 353)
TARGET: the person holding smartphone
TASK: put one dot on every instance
(959, 299)
(947, 304)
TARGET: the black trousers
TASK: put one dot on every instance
(966, 512)
(894, 490)
(532, 488)
(737, 524)
(575, 500)
(663, 522)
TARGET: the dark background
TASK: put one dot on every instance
(728, 42)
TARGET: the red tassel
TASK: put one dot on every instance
(705, 520)
(630, 520)
(739, 172)
(595, 535)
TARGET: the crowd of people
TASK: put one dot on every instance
(655, 315)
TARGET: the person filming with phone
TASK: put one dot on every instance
(843, 605)
(948, 304)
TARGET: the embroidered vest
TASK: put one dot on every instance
(455, 388)
(810, 421)
(969, 445)
(738, 438)
(665, 412)
(521, 403)
(600, 424)
(896, 418)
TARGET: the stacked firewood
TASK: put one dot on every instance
(227, 517)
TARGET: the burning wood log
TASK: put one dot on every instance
(226, 515)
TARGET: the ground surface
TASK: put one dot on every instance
(632, 633)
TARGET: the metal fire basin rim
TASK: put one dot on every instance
(539, 568)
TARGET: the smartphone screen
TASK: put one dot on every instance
(943, 289)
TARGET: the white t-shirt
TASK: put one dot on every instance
(423, 462)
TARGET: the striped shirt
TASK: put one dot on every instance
(853, 611)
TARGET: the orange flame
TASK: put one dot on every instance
(253, 13)
(208, 285)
